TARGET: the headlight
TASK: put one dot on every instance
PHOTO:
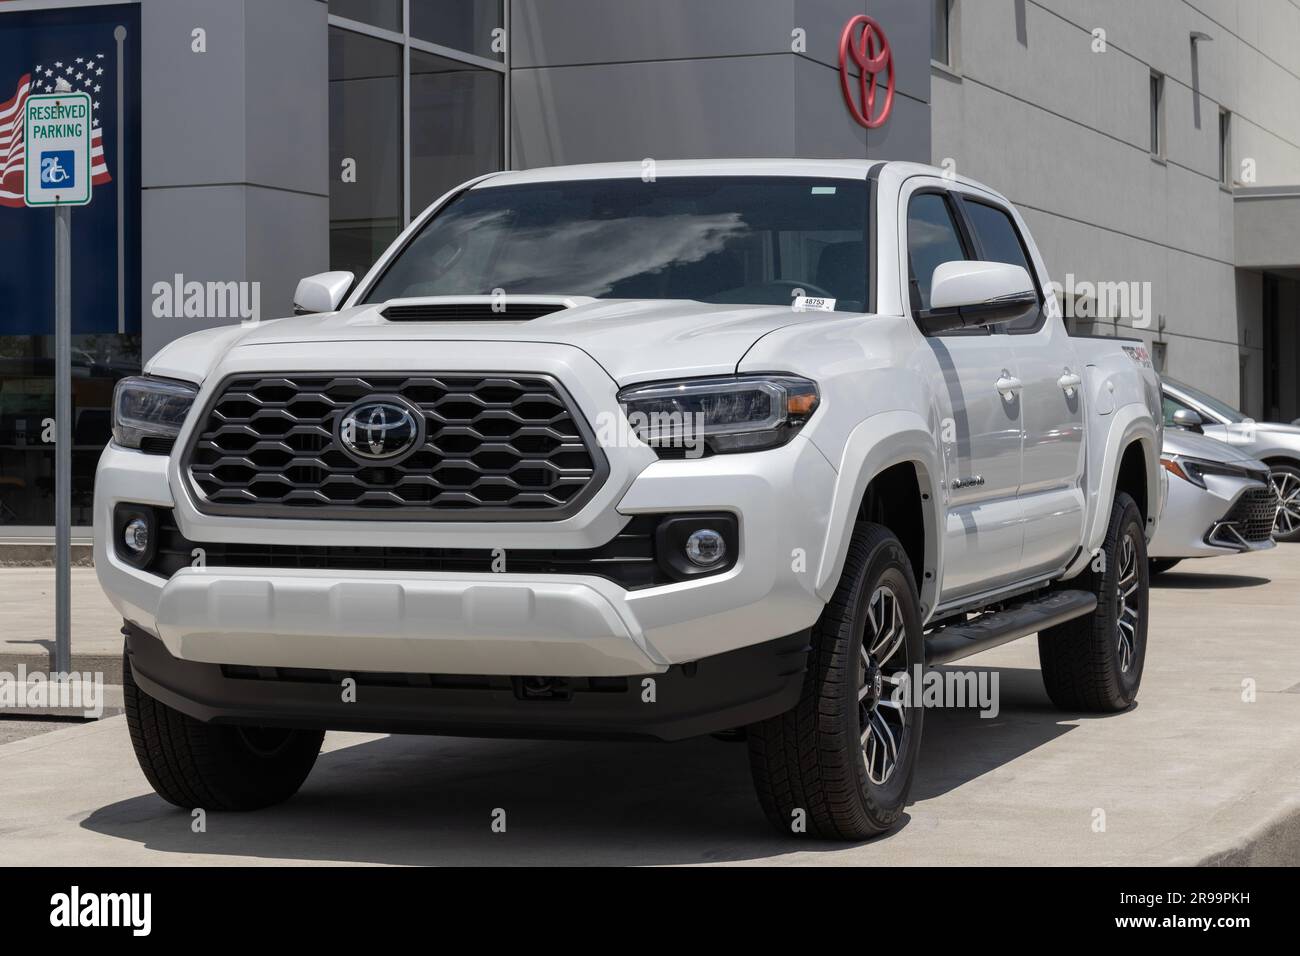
(719, 415)
(1195, 469)
(147, 408)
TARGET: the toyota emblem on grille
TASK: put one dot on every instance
(381, 429)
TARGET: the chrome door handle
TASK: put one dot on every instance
(1069, 382)
(1008, 385)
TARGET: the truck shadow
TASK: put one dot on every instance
(1181, 580)
(431, 800)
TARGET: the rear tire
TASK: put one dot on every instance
(842, 760)
(1094, 663)
(214, 766)
(1161, 565)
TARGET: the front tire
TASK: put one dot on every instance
(842, 760)
(1285, 480)
(214, 766)
(1094, 663)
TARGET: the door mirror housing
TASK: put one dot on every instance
(1186, 418)
(323, 292)
(968, 294)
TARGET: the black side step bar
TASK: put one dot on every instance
(955, 641)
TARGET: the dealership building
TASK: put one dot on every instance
(1153, 148)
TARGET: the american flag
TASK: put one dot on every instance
(83, 74)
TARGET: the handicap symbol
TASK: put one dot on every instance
(53, 170)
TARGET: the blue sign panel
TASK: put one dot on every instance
(58, 169)
(86, 48)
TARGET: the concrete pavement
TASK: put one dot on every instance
(1198, 771)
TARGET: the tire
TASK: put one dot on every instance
(1285, 480)
(214, 766)
(1161, 565)
(1094, 663)
(814, 758)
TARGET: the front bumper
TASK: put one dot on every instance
(1196, 521)
(504, 624)
(718, 693)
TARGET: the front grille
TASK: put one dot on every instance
(494, 447)
(628, 559)
(1253, 514)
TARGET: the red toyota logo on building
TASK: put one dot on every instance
(864, 42)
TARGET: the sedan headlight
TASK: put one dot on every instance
(719, 415)
(147, 408)
(1195, 469)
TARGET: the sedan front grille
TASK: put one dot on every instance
(492, 446)
(1253, 514)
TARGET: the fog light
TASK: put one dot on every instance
(706, 547)
(136, 535)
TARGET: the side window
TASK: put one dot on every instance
(999, 241)
(932, 240)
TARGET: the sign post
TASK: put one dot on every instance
(56, 137)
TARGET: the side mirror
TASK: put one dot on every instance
(966, 294)
(1186, 418)
(323, 292)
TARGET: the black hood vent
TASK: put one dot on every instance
(470, 312)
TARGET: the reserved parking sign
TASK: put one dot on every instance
(56, 139)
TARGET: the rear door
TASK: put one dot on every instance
(979, 428)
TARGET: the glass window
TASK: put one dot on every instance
(732, 239)
(1157, 115)
(999, 241)
(365, 148)
(456, 125)
(1225, 147)
(379, 13)
(932, 240)
(939, 44)
(465, 25)
(27, 416)
(1215, 406)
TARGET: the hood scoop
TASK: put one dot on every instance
(479, 309)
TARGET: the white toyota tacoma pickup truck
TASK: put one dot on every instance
(739, 446)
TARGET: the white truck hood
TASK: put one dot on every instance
(633, 340)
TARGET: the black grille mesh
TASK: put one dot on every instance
(494, 445)
(1254, 513)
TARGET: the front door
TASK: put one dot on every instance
(980, 426)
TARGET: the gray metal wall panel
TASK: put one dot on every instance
(192, 104)
(287, 95)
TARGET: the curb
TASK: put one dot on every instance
(1275, 842)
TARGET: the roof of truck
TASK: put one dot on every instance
(830, 168)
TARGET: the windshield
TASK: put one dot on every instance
(1209, 401)
(726, 239)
